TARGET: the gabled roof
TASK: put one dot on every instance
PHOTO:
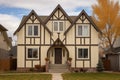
(88, 17)
(25, 18)
(62, 10)
(3, 28)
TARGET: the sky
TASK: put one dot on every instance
(12, 11)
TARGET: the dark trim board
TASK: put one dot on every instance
(25, 46)
(82, 59)
(50, 45)
(90, 46)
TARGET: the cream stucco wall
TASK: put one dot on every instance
(20, 36)
(44, 50)
(20, 56)
(94, 36)
(71, 50)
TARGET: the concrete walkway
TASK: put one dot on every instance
(56, 76)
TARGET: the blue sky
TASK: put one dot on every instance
(18, 12)
(12, 11)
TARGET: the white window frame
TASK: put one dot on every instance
(33, 30)
(78, 53)
(58, 26)
(82, 25)
(27, 53)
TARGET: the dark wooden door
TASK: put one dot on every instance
(58, 55)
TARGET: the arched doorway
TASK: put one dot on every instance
(58, 53)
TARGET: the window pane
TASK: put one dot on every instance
(85, 31)
(85, 53)
(80, 30)
(61, 26)
(29, 30)
(29, 53)
(35, 30)
(80, 53)
(35, 53)
(55, 26)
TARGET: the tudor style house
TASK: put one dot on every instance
(57, 37)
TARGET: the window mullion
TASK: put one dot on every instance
(32, 30)
(32, 53)
(58, 26)
(82, 53)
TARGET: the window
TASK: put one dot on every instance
(32, 53)
(32, 30)
(83, 53)
(58, 26)
(82, 30)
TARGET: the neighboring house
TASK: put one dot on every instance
(58, 37)
(115, 57)
(5, 46)
(5, 41)
(13, 57)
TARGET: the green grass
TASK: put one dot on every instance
(26, 77)
(91, 76)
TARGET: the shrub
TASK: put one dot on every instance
(100, 67)
(43, 68)
(31, 69)
(38, 67)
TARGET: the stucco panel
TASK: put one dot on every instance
(79, 64)
(94, 56)
(20, 36)
(44, 50)
(20, 56)
(71, 50)
(71, 36)
(37, 40)
(94, 36)
(28, 64)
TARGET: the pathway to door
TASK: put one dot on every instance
(56, 76)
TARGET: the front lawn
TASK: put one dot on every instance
(26, 77)
(91, 76)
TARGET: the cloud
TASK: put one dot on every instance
(46, 6)
(10, 22)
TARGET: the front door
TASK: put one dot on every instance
(58, 55)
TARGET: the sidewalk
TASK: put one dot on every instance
(56, 76)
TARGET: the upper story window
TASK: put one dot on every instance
(33, 30)
(82, 53)
(58, 26)
(82, 30)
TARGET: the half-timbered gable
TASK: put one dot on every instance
(57, 37)
(58, 22)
